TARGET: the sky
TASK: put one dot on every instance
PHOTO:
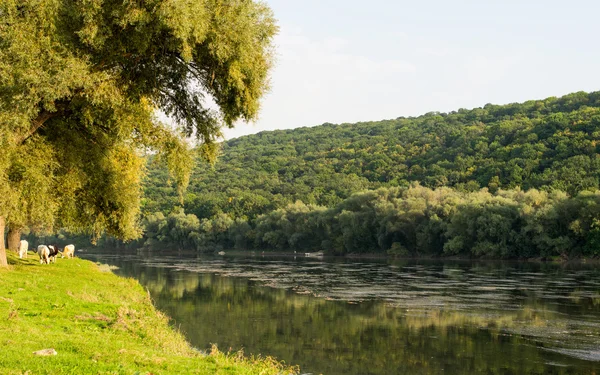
(346, 61)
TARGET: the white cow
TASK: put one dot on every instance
(44, 254)
(23, 247)
(68, 251)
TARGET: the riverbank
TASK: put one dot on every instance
(98, 323)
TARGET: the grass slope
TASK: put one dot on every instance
(98, 323)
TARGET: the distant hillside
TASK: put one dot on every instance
(544, 144)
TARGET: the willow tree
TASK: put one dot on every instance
(80, 82)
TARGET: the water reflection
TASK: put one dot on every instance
(384, 318)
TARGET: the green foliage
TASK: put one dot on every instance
(413, 221)
(297, 189)
(31, 182)
(547, 144)
(79, 85)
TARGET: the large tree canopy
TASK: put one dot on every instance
(80, 82)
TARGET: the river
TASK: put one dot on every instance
(372, 317)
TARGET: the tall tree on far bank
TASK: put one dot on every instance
(80, 83)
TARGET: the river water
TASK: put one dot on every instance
(372, 317)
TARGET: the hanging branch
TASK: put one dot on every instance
(42, 117)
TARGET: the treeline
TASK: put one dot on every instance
(550, 144)
(413, 221)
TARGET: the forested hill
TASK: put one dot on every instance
(544, 144)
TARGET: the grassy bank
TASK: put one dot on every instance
(98, 323)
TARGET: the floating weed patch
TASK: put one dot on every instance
(97, 323)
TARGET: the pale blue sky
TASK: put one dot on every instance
(348, 61)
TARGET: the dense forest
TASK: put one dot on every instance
(414, 221)
(515, 180)
(547, 144)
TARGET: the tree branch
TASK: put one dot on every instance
(41, 119)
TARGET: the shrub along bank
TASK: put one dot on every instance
(98, 323)
(413, 221)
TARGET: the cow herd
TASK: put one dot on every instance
(47, 253)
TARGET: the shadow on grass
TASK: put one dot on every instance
(31, 260)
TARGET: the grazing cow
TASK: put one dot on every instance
(23, 247)
(44, 254)
(53, 253)
(68, 251)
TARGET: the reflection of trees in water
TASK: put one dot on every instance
(335, 337)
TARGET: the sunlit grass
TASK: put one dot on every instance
(98, 323)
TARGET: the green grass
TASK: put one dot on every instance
(98, 323)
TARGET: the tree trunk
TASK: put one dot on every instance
(13, 238)
(3, 261)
